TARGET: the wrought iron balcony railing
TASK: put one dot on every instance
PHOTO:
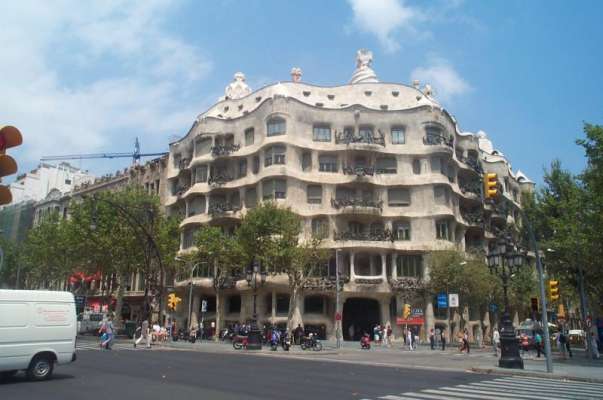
(224, 149)
(219, 179)
(342, 203)
(359, 170)
(473, 217)
(347, 137)
(379, 236)
(471, 187)
(433, 140)
(473, 163)
(221, 208)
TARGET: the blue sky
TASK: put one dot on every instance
(83, 77)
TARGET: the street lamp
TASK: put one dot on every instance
(505, 260)
(251, 276)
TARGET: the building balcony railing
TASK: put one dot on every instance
(472, 163)
(473, 218)
(434, 140)
(406, 283)
(474, 188)
(224, 149)
(180, 190)
(351, 138)
(183, 163)
(219, 179)
(359, 170)
(222, 208)
(379, 236)
(342, 203)
(369, 281)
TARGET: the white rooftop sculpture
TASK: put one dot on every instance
(364, 72)
(237, 88)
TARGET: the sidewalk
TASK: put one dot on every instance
(479, 360)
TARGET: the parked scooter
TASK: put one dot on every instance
(275, 339)
(285, 341)
(365, 342)
(311, 342)
(239, 342)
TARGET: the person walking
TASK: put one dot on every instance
(443, 339)
(562, 339)
(388, 333)
(594, 344)
(376, 334)
(409, 339)
(538, 344)
(106, 330)
(144, 335)
(495, 340)
(466, 340)
(432, 339)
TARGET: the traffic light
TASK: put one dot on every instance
(173, 301)
(406, 311)
(490, 185)
(553, 290)
(9, 137)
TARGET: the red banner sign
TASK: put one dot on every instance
(413, 320)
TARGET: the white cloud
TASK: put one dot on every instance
(444, 79)
(77, 76)
(384, 18)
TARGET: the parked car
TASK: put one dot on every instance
(37, 331)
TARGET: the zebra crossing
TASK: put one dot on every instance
(508, 388)
(89, 345)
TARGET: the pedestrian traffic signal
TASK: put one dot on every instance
(490, 185)
(406, 311)
(553, 290)
(173, 301)
(9, 137)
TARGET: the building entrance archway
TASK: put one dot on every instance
(360, 315)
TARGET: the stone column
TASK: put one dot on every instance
(196, 306)
(352, 268)
(429, 317)
(384, 267)
(385, 317)
(394, 266)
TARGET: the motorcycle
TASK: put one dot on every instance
(285, 342)
(239, 342)
(365, 342)
(310, 342)
(275, 340)
(227, 335)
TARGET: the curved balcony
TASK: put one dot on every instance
(471, 189)
(224, 149)
(438, 140)
(347, 137)
(355, 205)
(472, 163)
(219, 179)
(222, 208)
(406, 283)
(358, 171)
(379, 236)
(473, 218)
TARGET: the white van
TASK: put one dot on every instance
(37, 331)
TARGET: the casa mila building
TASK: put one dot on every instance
(379, 170)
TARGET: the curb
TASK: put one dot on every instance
(493, 371)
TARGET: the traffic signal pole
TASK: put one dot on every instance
(583, 308)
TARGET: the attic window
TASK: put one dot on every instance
(384, 106)
(240, 107)
(319, 104)
(258, 98)
(368, 93)
(343, 105)
(306, 93)
(226, 109)
(220, 116)
(395, 93)
(330, 96)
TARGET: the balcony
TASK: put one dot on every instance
(219, 179)
(183, 163)
(343, 203)
(379, 236)
(435, 140)
(406, 283)
(224, 149)
(472, 163)
(473, 188)
(359, 170)
(222, 208)
(349, 137)
(180, 190)
(473, 217)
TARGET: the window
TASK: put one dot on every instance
(320, 227)
(177, 159)
(201, 174)
(402, 230)
(398, 197)
(202, 146)
(366, 133)
(377, 228)
(314, 193)
(234, 304)
(314, 304)
(235, 199)
(398, 135)
(322, 133)
(67, 181)
(416, 167)
(441, 195)
(355, 227)
(327, 163)
(276, 126)
(306, 161)
(256, 164)
(387, 165)
(242, 167)
(409, 266)
(249, 136)
(434, 135)
(343, 193)
(196, 206)
(188, 238)
(274, 189)
(282, 304)
(251, 197)
(274, 155)
(443, 230)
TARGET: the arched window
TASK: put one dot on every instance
(320, 227)
(402, 230)
(274, 155)
(276, 126)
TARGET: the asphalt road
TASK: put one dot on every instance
(192, 375)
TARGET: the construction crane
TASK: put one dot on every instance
(136, 155)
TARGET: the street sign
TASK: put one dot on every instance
(442, 300)
(337, 316)
(414, 320)
(204, 306)
(416, 312)
(453, 300)
(493, 307)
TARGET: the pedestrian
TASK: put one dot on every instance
(388, 333)
(495, 340)
(409, 339)
(298, 333)
(144, 335)
(594, 345)
(106, 331)
(562, 340)
(466, 340)
(538, 344)
(567, 346)
(432, 339)
(443, 339)
(376, 334)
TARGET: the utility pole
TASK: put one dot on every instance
(583, 311)
(337, 300)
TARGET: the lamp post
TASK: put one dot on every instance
(251, 277)
(504, 260)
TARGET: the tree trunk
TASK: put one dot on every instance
(118, 322)
(294, 318)
(218, 315)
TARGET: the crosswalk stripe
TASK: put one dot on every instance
(513, 394)
(555, 386)
(394, 397)
(544, 381)
(422, 395)
(494, 386)
(465, 393)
